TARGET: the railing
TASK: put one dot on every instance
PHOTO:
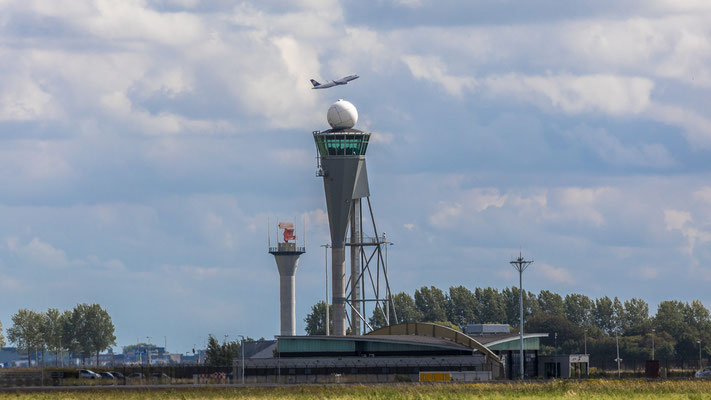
(287, 250)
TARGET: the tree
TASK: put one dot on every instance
(52, 331)
(636, 317)
(461, 306)
(26, 332)
(618, 316)
(511, 304)
(316, 319)
(405, 308)
(604, 315)
(69, 333)
(670, 318)
(552, 324)
(92, 329)
(220, 355)
(2, 338)
(579, 309)
(431, 303)
(551, 303)
(697, 316)
(490, 306)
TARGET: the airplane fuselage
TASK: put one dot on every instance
(337, 82)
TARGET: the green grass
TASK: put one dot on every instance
(594, 389)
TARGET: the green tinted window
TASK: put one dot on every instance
(342, 145)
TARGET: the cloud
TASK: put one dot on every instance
(646, 273)
(615, 95)
(43, 254)
(23, 99)
(476, 200)
(611, 149)
(697, 127)
(555, 274)
(432, 69)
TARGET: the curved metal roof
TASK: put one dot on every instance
(437, 331)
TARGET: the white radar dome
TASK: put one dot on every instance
(342, 115)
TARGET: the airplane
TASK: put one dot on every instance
(337, 82)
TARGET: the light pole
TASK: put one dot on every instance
(242, 346)
(326, 247)
(555, 349)
(148, 350)
(520, 265)
(585, 340)
(699, 342)
(388, 297)
(617, 343)
(653, 334)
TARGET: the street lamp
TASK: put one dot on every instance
(585, 333)
(520, 265)
(618, 359)
(148, 351)
(555, 348)
(242, 358)
(699, 342)
(388, 295)
(326, 247)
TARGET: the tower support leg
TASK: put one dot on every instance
(355, 267)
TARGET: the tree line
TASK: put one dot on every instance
(221, 354)
(573, 322)
(85, 331)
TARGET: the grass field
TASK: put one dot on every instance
(597, 389)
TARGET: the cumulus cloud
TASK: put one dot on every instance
(557, 275)
(474, 200)
(433, 70)
(611, 149)
(684, 223)
(616, 95)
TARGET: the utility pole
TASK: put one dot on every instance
(243, 366)
(520, 265)
(555, 349)
(699, 342)
(585, 332)
(617, 344)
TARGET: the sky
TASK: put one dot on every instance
(144, 145)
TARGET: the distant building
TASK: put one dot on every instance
(10, 357)
(144, 354)
(499, 339)
(388, 354)
(564, 366)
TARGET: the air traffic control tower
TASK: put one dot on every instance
(345, 180)
(286, 254)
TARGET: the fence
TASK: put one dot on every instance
(674, 367)
(124, 375)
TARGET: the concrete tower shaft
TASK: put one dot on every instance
(287, 259)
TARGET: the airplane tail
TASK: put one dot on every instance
(313, 82)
